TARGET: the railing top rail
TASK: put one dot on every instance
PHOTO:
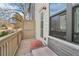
(9, 35)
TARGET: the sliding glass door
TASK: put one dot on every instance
(76, 25)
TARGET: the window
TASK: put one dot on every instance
(58, 25)
(41, 25)
(76, 25)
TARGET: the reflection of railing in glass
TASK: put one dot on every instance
(63, 23)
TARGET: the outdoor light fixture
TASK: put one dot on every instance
(44, 8)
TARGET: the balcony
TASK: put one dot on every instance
(22, 31)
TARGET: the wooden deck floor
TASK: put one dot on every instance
(24, 49)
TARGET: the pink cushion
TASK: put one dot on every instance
(36, 44)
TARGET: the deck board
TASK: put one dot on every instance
(44, 51)
(24, 49)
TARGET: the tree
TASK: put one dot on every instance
(19, 20)
(23, 7)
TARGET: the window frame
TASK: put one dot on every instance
(73, 23)
(61, 13)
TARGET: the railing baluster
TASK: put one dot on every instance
(4, 49)
(10, 44)
(7, 49)
(0, 51)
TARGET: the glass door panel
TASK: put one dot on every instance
(76, 25)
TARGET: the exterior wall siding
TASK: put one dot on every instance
(38, 10)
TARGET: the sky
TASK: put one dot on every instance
(12, 6)
(3, 15)
(55, 7)
(6, 5)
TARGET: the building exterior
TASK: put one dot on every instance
(59, 32)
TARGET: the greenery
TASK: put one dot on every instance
(3, 33)
(3, 25)
(18, 17)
